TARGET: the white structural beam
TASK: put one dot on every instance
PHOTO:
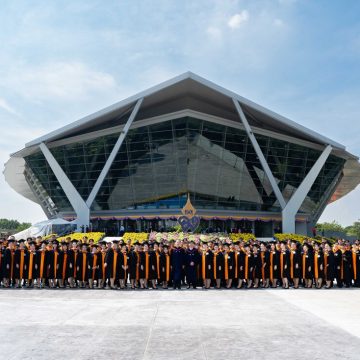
(293, 205)
(113, 154)
(81, 209)
(260, 155)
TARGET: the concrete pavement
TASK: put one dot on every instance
(186, 324)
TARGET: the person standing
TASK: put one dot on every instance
(177, 264)
(42, 258)
(164, 267)
(284, 265)
(20, 258)
(295, 264)
(31, 267)
(83, 266)
(207, 265)
(191, 261)
(229, 266)
(329, 266)
(9, 264)
(318, 266)
(112, 263)
(218, 259)
(274, 263)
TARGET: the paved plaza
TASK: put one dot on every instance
(186, 324)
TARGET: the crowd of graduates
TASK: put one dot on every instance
(216, 264)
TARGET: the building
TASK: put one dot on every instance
(135, 162)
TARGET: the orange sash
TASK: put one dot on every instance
(291, 265)
(215, 256)
(114, 264)
(84, 254)
(55, 263)
(64, 266)
(125, 263)
(42, 260)
(21, 263)
(354, 263)
(158, 264)
(94, 266)
(316, 274)
(167, 267)
(226, 266)
(75, 257)
(31, 259)
(203, 265)
(236, 264)
(146, 265)
(246, 266)
(12, 265)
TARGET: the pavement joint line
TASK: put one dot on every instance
(150, 330)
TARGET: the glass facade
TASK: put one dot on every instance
(157, 165)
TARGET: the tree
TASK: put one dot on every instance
(13, 225)
(354, 229)
(333, 226)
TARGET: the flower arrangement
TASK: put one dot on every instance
(136, 237)
(242, 237)
(96, 236)
(293, 237)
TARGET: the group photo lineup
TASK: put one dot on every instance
(180, 180)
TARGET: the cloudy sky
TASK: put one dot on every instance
(62, 60)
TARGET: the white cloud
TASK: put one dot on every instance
(4, 105)
(236, 20)
(58, 81)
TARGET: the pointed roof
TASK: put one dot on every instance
(186, 91)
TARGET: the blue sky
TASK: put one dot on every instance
(62, 60)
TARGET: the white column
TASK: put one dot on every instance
(81, 209)
(113, 154)
(260, 155)
(293, 205)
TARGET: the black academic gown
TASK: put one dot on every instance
(191, 261)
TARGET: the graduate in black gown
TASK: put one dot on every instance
(9, 264)
(177, 264)
(63, 273)
(274, 263)
(258, 261)
(20, 258)
(356, 265)
(83, 266)
(123, 266)
(112, 264)
(239, 265)
(249, 265)
(207, 265)
(191, 262)
(95, 263)
(330, 266)
(31, 265)
(295, 264)
(164, 266)
(347, 265)
(134, 265)
(265, 265)
(284, 264)
(229, 266)
(319, 273)
(218, 266)
(307, 265)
